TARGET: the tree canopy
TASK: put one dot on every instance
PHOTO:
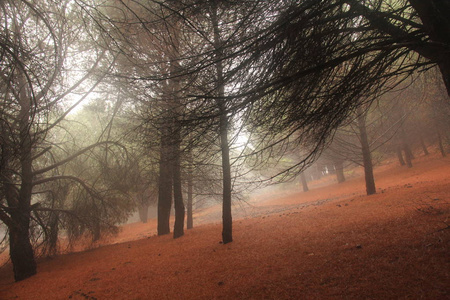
(173, 85)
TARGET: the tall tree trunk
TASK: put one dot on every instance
(424, 147)
(406, 148)
(178, 229)
(143, 212)
(410, 153)
(227, 220)
(339, 167)
(165, 183)
(174, 103)
(367, 156)
(190, 219)
(21, 250)
(404, 144)
(400, 156)
(441, 145)
(304, 183)
(408, 157)
(53, 233)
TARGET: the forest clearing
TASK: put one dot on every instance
(332, 242)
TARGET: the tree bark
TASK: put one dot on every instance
(424, 147)
(441, 145)
(400, 156)
(408, 158)
(143, 212)
(406, 148)
(227, 220)
(53, 233)
(190, 219)
(410, 153)
(165, 184)
(20, 248)
(339, 167)
(366, 153)
(21, 251)
(178, 229)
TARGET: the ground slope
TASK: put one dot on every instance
(329, 243)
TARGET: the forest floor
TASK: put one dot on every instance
(332, 242)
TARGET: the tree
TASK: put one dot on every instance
(304, 182)
(36, 77)
(223, 128)
(366, 133)
(421, 26)
(146, 51)
(437, 108)
(366, 153)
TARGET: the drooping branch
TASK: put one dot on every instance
(75, 155)
(98, 81)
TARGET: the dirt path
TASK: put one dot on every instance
(329, 243)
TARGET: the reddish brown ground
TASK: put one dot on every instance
(330, 243)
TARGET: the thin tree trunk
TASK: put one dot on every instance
(227, 220)
(400, 156)
(441, 145)
(190, 219)
(408, 157)
(178, 229)
(424, 147)
(53, 234)
(174, 104)
(165, 184)
(410, 153)
(406, 148)
(304, 183)
(143, 212)
(339, 167)
(367, 156)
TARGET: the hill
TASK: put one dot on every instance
(331, 242)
